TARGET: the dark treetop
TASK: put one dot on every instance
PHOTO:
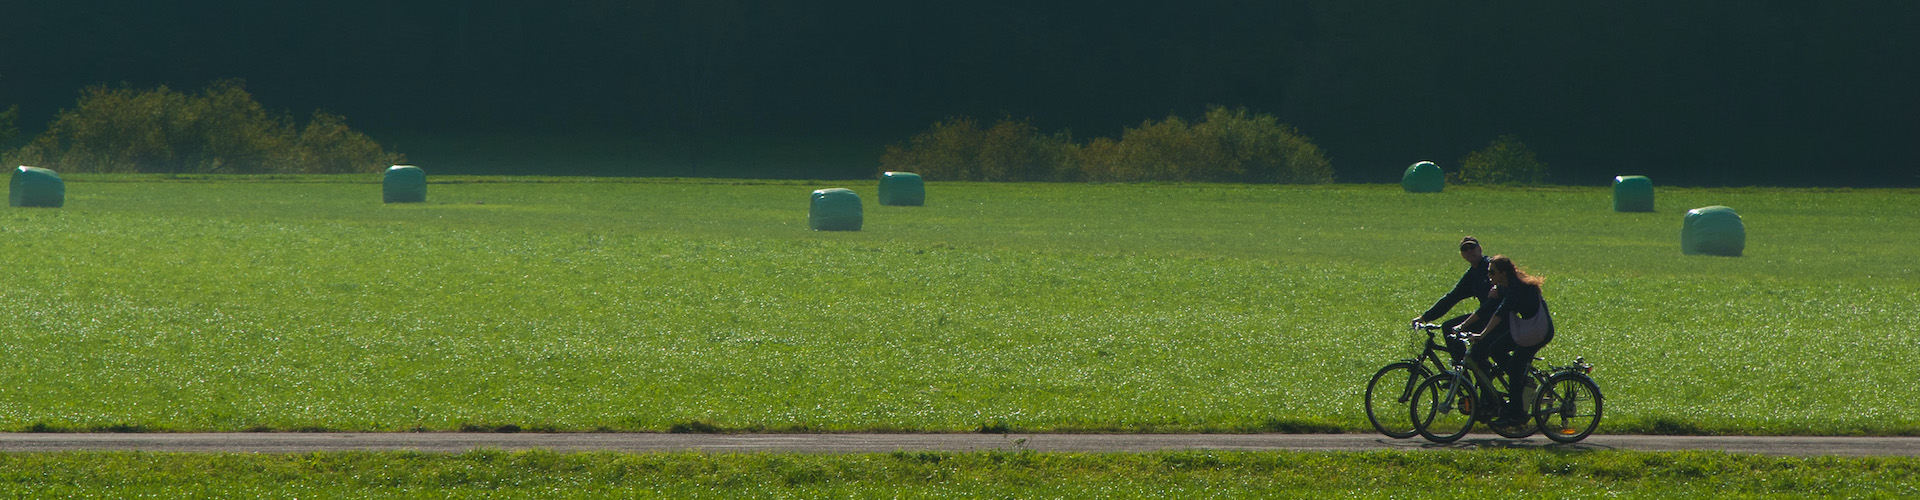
(1711, 93)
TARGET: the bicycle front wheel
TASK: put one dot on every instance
(1388, 396)
(1440, 413)
(1568, 408)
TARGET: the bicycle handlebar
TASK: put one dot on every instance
(1431, 327)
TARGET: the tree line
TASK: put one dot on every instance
(1689, 92)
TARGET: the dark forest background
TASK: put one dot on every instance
(1699, 93)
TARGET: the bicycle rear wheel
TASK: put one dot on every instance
(1568, 408)
(1441, 414)
(1388, 395)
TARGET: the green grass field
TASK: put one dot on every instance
(303, 303)
(496, 474)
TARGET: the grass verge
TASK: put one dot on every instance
(497, 474)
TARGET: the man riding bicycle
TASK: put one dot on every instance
(1474, 283)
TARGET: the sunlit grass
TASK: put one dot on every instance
(585, 304)
(539, 474)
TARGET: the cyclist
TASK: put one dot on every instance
(1473, 283)
(1515, 331)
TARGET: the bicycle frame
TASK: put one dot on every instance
(1488, 395)
(1579, 410)
(1428, 356)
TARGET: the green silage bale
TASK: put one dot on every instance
(1714, 230)
(404, 184)
(902, 189)
(834, 209)
(1423, 177)
(36, 187)
(1632, 193)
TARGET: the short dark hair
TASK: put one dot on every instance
(1468, 243)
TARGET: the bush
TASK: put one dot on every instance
(1228, 145)
(1262, 149)
(1164, 151)
(327, 146)
(221, 130)
(8, 120)
(1505, 161)
(958, 150)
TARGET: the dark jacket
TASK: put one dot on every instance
(1473, 283)
(1517, 297)
(1519, 300)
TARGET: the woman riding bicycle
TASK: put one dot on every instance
(1518, 327)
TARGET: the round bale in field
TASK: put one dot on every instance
(36, 187)
(1632, 193)
(1714, 230)
(404, 184)
(835, 209)
(1423, 177)
(902, 189)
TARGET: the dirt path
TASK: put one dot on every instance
(849, 443)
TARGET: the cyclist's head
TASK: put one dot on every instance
(1470, 249)
(1503, 271)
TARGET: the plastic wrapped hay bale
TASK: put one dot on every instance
(902, 189)
(1423, 177)
(36, 187)
(834, 209)
(1714, 230)
(404, 184)
(1632, 193)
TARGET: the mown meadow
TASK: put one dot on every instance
(542, 474)
(303, 303)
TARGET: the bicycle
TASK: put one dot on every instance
(1399, 379)
(1566, 406)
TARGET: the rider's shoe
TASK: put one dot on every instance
(1509, 422)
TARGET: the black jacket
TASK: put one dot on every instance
(1518, 298)
(1473, 283)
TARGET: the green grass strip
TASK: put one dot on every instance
(498, 474)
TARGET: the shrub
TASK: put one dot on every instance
(221, 130)
(959, 150)
(8, 119)
(1228, 145)
(327, 146)
(1505, 161)
(945, 151)
(1258, 148)
(1165, 151)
